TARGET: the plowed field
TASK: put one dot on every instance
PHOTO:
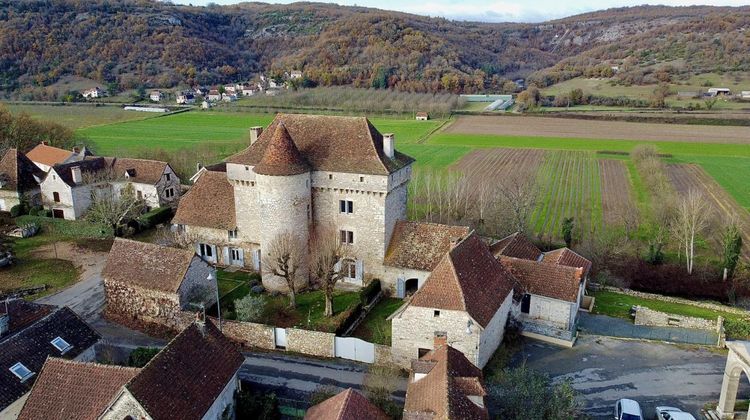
(616, 192)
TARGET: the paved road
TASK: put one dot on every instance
(617, 327)
(605, 369)
(295, 378)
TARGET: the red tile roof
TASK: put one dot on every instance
(550, 280)
(22, 313)
(142, 171)
(74, 390)
(48, 155)
(17, 172)
(186, 377)
(421, 245)
(209, 203)
(450, 378)
(567, 257)
(346, 405)
(329, 143)
(468, 278)
(147, 265)
(516, 245)
(281, 156)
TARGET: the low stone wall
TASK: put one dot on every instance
(650, 317)
(249, 334)
(314, 343)
(383, 355)
(644, 295)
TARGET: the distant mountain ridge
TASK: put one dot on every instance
(147, 43)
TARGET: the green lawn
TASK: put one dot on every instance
(309, 311)
(78, 116)
(376, 328)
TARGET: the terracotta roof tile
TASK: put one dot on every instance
(329, 143)
(550, 280)
(444, 390)
(18, 173)
(147, 265)
(281, 156)
(22, 313)
(74, 390)
(346, 405)
(516, 245)
(567, 257)
(143, 171)
(48, 155)
(468, 278)
(88, 165)
(420, 245)
(209, 203)
(186, 377)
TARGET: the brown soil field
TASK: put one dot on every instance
(615, 130)
(616, 194)
(500, 163)
(686, 177)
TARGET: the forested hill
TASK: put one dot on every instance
(147, 43)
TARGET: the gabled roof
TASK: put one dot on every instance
(550, 280)
(48, 155)
(516, 245)
(450, 378)
(18, 172)
(87, 165)
(143, 171)
(22, 313)
(567, 257)
(468, 278)
(74, 390)
(209, 203)
(346, 405)
(32, 345)
(147, 265)
(421, 245)
(185, 378)
(281, 156)
(329, 143)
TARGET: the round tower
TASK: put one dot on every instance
(284, 197)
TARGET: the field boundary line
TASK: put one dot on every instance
(423, 138)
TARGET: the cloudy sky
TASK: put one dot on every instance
(496, 10)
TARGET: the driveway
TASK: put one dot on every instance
(295, 378)
(605, 369)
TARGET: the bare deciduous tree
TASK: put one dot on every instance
(690, 221)
(285, 256)
(518, 194)
(328, 253)
(110, 209)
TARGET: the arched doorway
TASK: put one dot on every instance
(735, 372)
(411, 286)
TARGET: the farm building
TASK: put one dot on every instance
(156, 96)
(295, 74)
(186, 98)
(213, 95)
(719, 92)
(745, 94)
(422, 116)
(93, 93)
(46, 156)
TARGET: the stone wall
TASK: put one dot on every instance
(314, 343)
(145, 305)
(384, 355)
(249, 334)
(549, 311)
(8, 199)
(493, 333)
(646, 316)
(643, 295)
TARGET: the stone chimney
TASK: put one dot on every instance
(255, 133)
(441, 339)
(76, 174)
(389, 145)
(76, 150)
(198, 166)
(455, 240)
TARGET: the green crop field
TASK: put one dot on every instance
(732, 173)
(78, 116)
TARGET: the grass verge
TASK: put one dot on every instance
(376, 328)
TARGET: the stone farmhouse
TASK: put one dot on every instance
(193, 377)
(347, 404)
(148, 283)
(46, 156)
(468, 295)
(302, 173)
(93, 93)
(19, 179)
(67, 188)
(29, 334)
(550, 287)
(444, 384)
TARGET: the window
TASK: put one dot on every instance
(235, 254)
(436, 314)
(330, 176)
(422, 352)
(139, 195)
(206, 250)
(168, 177)
(247, 168)
(346, 206)
(347, 237)
(21, 371)
(361, 179)
(252, 183)
(526, 303)
(61, 345)
(56, 197)
(169, 192)
(349, 268)
(232, 234)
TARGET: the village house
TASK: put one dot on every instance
(346, 405)
(468, 295)
(194, 377)
(248, 90)
(46, 156)
(156, 96)
(303, 172)
(29, 334)
(422, 116)
(186, 98)
(149, 283)
(93, 93)
(66, 189)
(19, 180)
(230, 89)
(444, 384)
(229, 97)
(295, 74)
(213, 95)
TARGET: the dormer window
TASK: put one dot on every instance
(21, 371)
(60, 344)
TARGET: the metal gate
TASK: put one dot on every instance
(354, 349)
(279, 336)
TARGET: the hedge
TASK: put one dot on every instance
(155, 217)
(67, 228)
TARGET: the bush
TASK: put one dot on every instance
(737, 329)
(155, 217)
(37, 211)
(368, 293)
(142, 355)
(18, 210)
(255, 405)
(249, 308)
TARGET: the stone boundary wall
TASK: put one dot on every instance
(644, 295)
(384, 356)
(315, 343)
(650, 317)
(249, 333)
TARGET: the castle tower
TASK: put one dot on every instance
(283, 179)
